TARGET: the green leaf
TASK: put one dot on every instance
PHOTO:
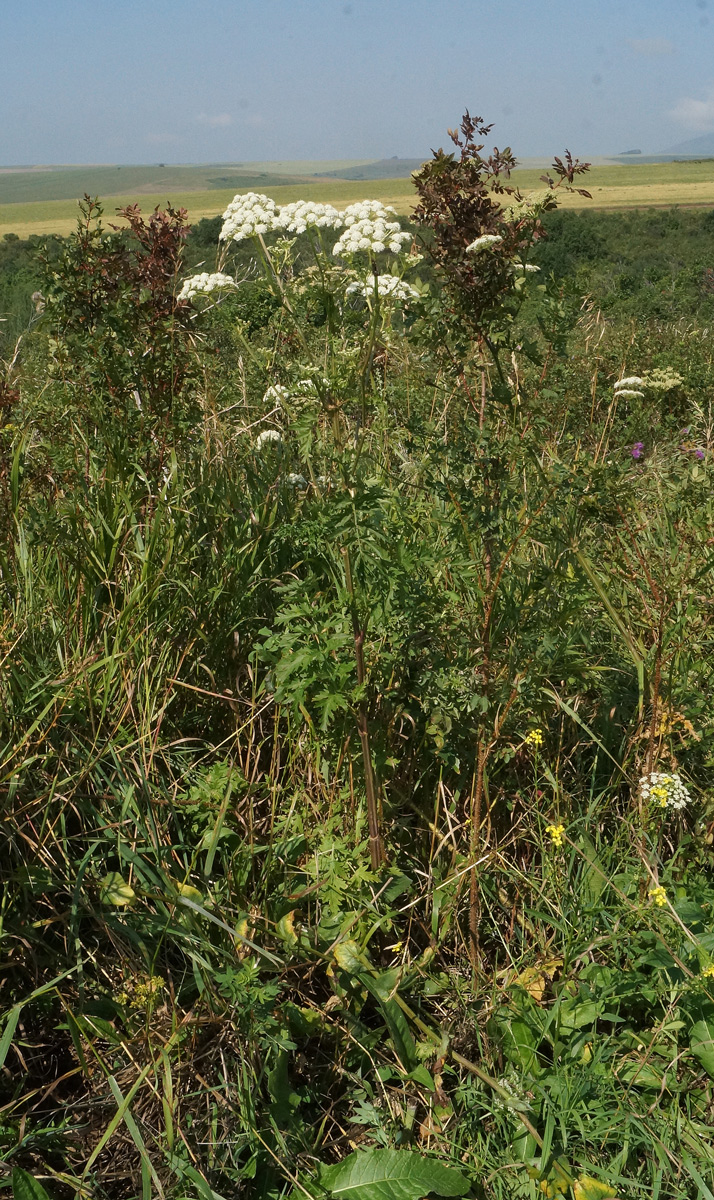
(391, 1175)
(26, 1187)
(115, 891)
(701, 1043)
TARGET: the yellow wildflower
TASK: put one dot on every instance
(534, 738)
(658, 896)
(708, 972)
(556, 834)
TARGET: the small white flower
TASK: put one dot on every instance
(630, 381)
(266, 437)
(483, 243)
(629, 392)
(296, 480)
(525, 267)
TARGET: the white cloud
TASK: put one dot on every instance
(695, 114)
(651, 47)
(215, 120)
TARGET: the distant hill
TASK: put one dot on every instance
(702, 147)
(383, 168)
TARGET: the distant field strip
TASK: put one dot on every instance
(59, 216)
(644, 186)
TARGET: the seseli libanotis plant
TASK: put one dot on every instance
(362, 257)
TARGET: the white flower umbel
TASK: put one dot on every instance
(387, 285)
(525, 267)
(204, 284)
(368, 229)
(275, 394)
(268, 437)
(629, 392)
(630, 381)
(247, 216)
(304, 214)
(661, 379)
(664, 790)
(485, 242)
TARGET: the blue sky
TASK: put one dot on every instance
(141, 81)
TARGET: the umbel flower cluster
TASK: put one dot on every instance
(387, 285)
(660, 379)
(247, 216)
(304, 214)
(367, 225)
(204, 284)
(368, 228)
(664, 790)
(629, 386)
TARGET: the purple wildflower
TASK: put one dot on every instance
(699, 453)
(637, 450)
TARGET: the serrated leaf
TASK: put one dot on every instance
(26, 1187)
(592, 1189)
(115, 891)
(391, 1175)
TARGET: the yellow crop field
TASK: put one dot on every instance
(632, 186)
(59, 216)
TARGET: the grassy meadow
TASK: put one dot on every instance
(356, 657)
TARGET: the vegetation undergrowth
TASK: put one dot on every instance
(355, 733)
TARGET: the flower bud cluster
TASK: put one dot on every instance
(387, 285)
(368, 229)
(248, 215)
(664, 790)
(204, 284)
(304, 214)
